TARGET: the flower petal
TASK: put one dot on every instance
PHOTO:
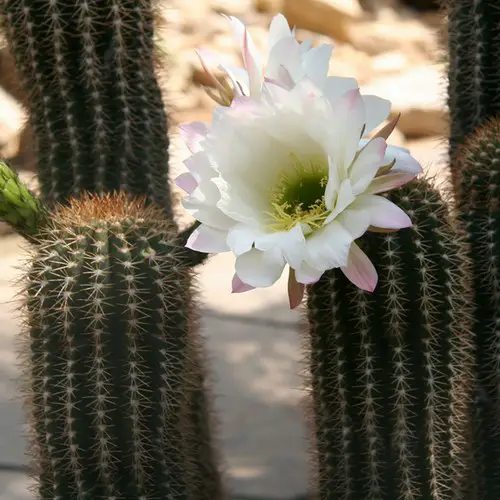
(192, 134)
(389, 181)
(285, 53)
(241, 238)
(237, 286)
(260, 269)
(316, 63)
(307, 274)
(377, 110)
(295, 290)
(292, 244)
(208, 240)
(328, 247)
(336, 86)
(388, 128)
(350, 118)
(345, 197)
(360, 270)
(366, 165)
(278, 29)
(187, 182)
(383, 213)
(253, 65)
(405, 162)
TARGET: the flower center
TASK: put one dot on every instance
(299, 195)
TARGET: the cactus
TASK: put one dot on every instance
(111, 355)
(392, 371)
(94, 100)
(478, 167)
(473, 70)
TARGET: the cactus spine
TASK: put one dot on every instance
(95, 104)
(391, 371)
(108, 365)
(478, 167)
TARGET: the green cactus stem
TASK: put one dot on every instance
(19, 207)
(478, 166)
(392, 370)
(473, 70)
(111, 354)
(95, 104)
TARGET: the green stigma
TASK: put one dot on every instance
(299, 195)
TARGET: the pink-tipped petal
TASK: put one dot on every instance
(385, 214)
(237, 286)
(208, 240)
(389, 181)
(295, 290)
(359, 270)
(252, 66)
(388, 129)
(187, 182)
(192, 134)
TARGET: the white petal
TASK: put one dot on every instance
(260, 269)
(187, 182)
(389, 181)
(316, 63)
(366, 165)
(278, 29)
(350, 118)
(306, 46)
(237, 286)
(344, 199)
(292, 244)
(208, 240)
(377, 110)
(285, 53)
(200, 165)
(383, 213)
(355, 220)
(253, 65)
(336, 86)
(194, 133)
(328, 247)
(360, 270)
(405, 162)
(307, 274)
(241, 238)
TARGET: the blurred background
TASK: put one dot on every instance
(394, 49)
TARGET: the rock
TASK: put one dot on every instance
(418, 95)
(272, 6)
(236, 8)
(388, 33)
(333, 18)
(12, 119)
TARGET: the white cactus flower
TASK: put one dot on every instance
(287, 180)
(288, 61)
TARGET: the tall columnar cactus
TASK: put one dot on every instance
(95, 104)
(111, 355)
(392, 370)
(478, 167)
(473, 70)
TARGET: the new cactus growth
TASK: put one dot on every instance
(391, 371)
(95, 104)
(109, 340)
(478, 167)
